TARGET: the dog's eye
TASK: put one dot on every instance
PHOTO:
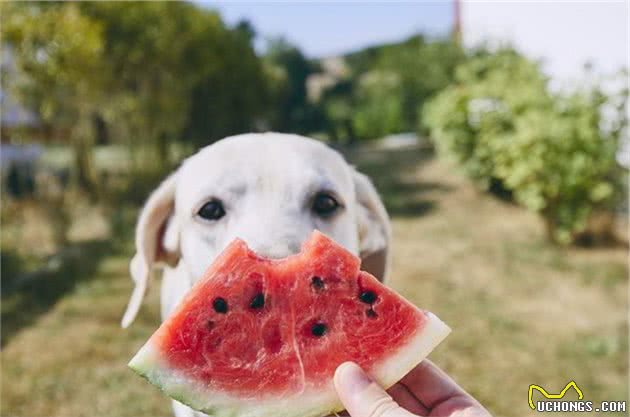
(324, 204)
(212, 210)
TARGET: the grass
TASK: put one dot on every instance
(522, 311)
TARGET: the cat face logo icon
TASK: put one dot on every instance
(545, 394)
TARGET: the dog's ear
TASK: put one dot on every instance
(373, 227)
(157, 241)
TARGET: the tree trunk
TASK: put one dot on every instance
(163, 149)
(86, 175)
(351, 138)
(550, 230)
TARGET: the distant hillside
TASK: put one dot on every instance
(351, 65)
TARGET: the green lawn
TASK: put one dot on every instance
(521, 310)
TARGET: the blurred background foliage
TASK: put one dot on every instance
(551, 152)
(140, 61)
(162, 79)
(113, 95)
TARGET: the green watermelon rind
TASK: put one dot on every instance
(323, 401)
(148, 365)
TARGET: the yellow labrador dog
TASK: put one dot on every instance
(269, 189)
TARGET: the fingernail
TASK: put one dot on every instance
(350, 378)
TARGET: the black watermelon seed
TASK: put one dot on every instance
(210, 324)
(368, 297)
(317, 283)
(258, 301)
(371, 313)
(220, 305)
(318, 329)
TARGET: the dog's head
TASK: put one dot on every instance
(271, 190)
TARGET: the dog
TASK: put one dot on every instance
(269, 189)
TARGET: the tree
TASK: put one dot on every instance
(294, 112)
(147, 73)
(62, 74)
(560, 163)
(181, 74)
(379, 108)
(423, 69)
(489, 89)
(230, 94)
(552, 151)
(393, 81)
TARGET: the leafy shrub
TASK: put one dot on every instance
(378, 111)
(377, 90)
(501, 123)
(559, 163)
(489, 91)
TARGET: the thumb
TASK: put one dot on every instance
(363, 397)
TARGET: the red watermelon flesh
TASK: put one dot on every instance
(261, 337)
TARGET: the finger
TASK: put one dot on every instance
(431, 386)
(406, 399)
(363, 397)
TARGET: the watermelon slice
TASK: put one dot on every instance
(258, 337)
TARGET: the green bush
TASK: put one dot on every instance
(559, 163)
(501, 123)
(378, 111)
(489, 92)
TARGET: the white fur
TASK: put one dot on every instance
(266, 183)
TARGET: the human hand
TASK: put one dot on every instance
(425, 391)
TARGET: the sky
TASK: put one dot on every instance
(563, 35)
(327, 29)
